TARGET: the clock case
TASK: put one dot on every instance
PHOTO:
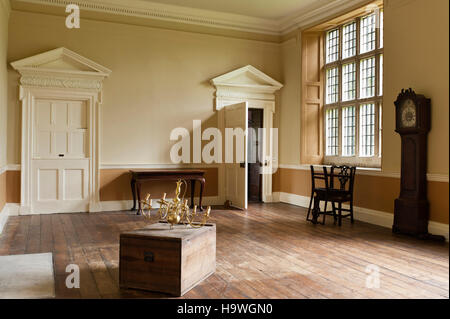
(411, 209)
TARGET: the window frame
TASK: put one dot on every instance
(377, 99)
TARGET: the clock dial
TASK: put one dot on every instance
(408, 114)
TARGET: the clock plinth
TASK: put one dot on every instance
(411, 217)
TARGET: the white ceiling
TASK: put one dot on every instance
(266, 9)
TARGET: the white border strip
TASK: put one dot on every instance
(372, 172)
(361, 171)
(366, 215)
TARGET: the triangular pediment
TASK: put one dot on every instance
(60, 60)
(247, 76)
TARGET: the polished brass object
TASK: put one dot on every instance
(176, 211)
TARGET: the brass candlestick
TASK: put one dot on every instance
(176, 211)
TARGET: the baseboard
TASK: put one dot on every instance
(366, 215)
(9, 209)
(4, 214)
(118, 205)
(275, 197)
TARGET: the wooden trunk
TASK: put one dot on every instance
(173, 261)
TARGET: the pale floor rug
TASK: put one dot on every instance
(27, 276)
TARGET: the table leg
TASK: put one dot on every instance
(202, 187)
(138, 186)
(192, 192)
(133, 192)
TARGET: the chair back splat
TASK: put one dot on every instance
(345, 176)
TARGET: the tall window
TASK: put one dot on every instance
(353, 91)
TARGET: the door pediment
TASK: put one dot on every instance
(246, 83)
(248, 77)
(60, 67)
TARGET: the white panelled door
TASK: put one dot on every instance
(236, 116)
(60, 160)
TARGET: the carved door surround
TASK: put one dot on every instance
(248, 84)
(60, 74)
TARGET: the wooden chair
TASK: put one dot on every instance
(346, 177)
(319, 194)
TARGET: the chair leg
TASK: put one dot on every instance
(309, 207)
(351, 211)
(340, 213)
(315, 210)
(324, 212)
(334, 212)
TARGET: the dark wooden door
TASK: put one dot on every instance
(255, 122)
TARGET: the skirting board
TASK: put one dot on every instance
(111, 206)
(3, 217)
(364, 214)
(8, 210)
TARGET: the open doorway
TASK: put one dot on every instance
(255, 122)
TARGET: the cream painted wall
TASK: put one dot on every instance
(289, 110)
(4, 15)
(159, 81)
(416, 55)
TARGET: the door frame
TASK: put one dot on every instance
(248, 84)
(268, 108)
(59, 74)
(28, 97)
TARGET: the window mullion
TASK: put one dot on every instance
(376, 129)
(339, 137)
(357, 130)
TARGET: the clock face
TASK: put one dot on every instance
(408, 114)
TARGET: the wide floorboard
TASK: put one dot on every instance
(268, 251)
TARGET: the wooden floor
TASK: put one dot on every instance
(269, 251)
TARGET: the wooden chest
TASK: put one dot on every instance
(173, 261)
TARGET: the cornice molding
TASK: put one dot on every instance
(306, 19)
(209, 18)
(174, 13)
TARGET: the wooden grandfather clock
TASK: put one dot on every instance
(413, 117)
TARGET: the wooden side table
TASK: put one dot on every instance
(141, 176)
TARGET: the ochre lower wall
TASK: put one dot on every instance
(114, 185)
(12, 180)
(372, 192)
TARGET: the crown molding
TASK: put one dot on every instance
(160, 11)
(306, 19)
(208, 18)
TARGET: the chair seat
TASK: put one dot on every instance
(339, 196)
(333, 194)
